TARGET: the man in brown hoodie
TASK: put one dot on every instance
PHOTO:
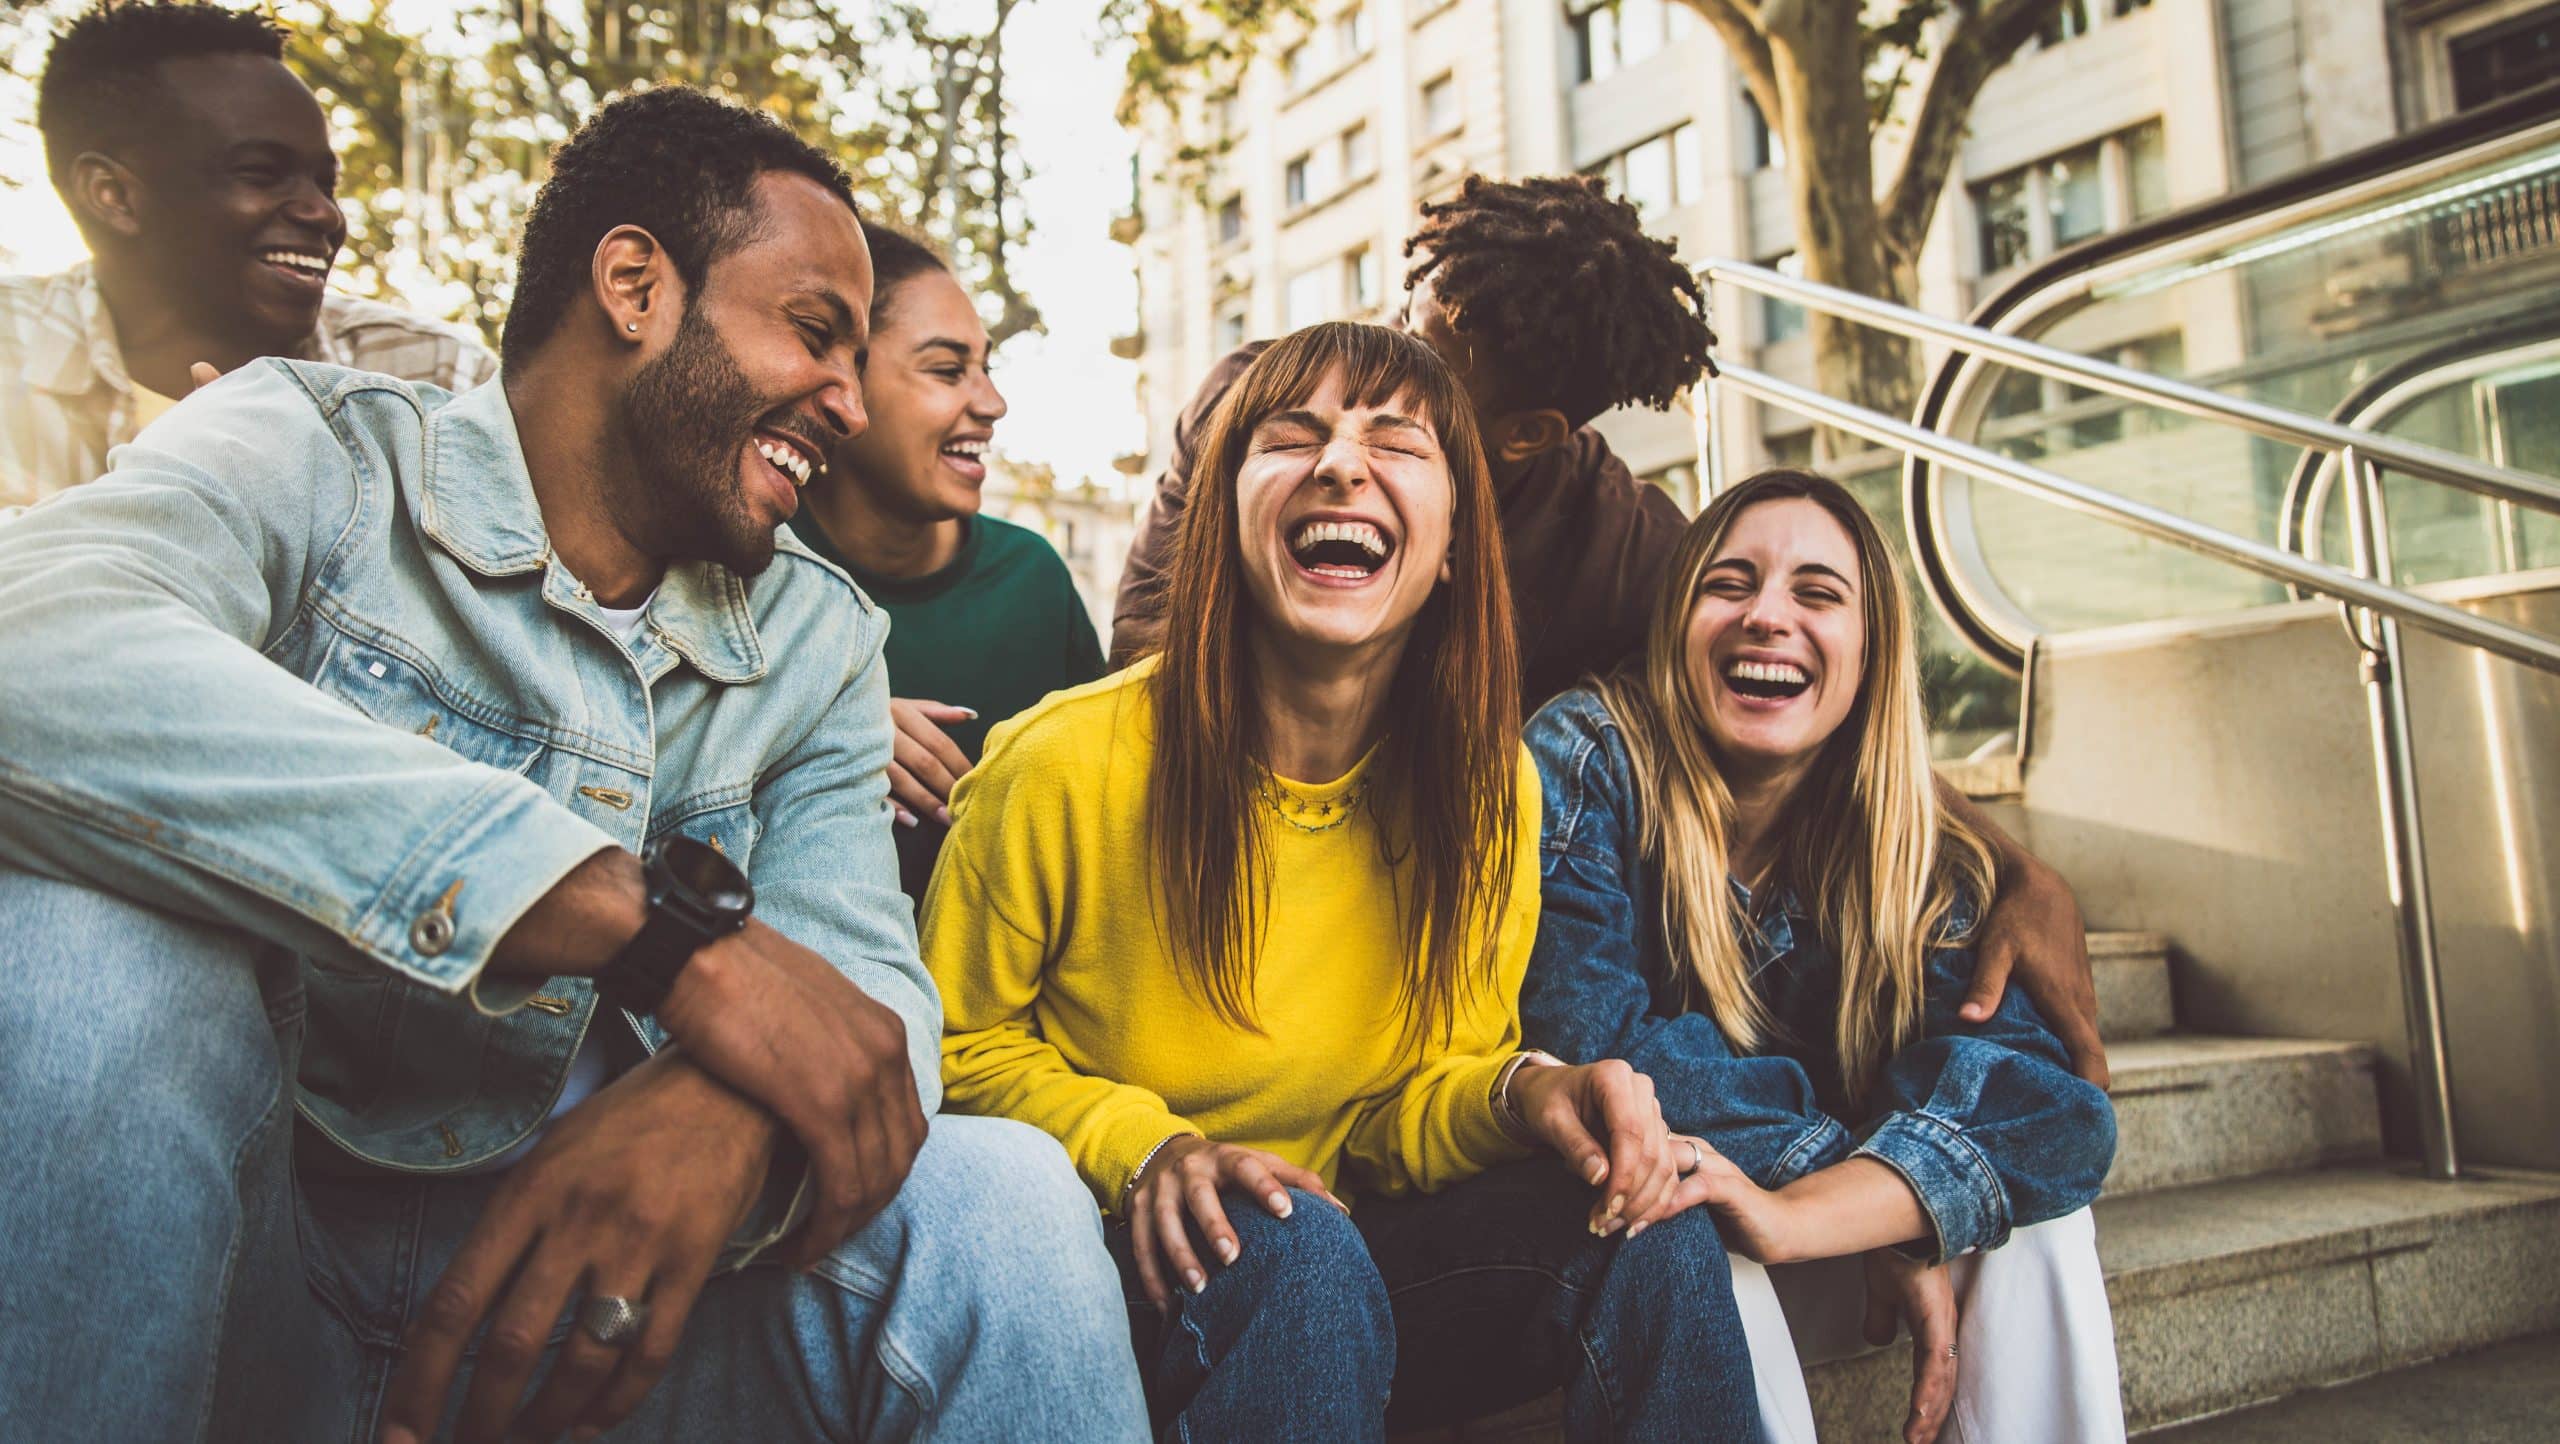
(1552, 305)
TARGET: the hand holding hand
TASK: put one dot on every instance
(1904, 1290)
(1757, 1221)
(779, 1024)
(1186, 1175)
(924, 763)
(632, 1193)
(1603, 1119)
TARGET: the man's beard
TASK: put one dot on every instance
(688, 416)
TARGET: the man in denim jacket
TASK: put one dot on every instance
(332, 721)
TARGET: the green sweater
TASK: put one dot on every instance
(997, 629)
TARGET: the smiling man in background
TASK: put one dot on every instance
(200, 172)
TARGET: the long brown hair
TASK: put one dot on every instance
(1443, 787)
(1873, 858)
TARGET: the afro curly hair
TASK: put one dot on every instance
(674, 162)
(102, 89)
(1559, 281)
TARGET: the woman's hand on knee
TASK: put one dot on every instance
(1755, 1219)
(1905, 1290)
(1183, 1180)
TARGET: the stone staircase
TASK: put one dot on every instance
(2256, 1241)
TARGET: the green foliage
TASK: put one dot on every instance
(445, 114)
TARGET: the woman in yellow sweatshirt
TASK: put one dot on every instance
(1237, 996)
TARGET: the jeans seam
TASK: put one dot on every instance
(1471, 1270)
(1601, 1388)
(231, 1256)
(899, 1367)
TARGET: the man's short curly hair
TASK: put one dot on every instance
(102, 89)
(672, 161)
(1574, 304)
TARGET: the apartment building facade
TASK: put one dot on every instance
(1285, 200)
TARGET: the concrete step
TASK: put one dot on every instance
(2230, 1293)
(2504, 1394)
(2132, 974)
(2191, 1108)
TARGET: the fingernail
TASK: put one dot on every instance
(1280, 1205)
(394, 1434)
(1193, 1279)
(1226, 1250)
(906, 818)
(1596, 1170)
(972, 713)
(942, 815)
(1639, 1227)
(1617, 1204)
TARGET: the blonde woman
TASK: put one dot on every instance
(1751, 894)
(1243, 926)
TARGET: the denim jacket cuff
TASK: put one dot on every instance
(1957, 1189)
(1817, 1148)
(461, 889)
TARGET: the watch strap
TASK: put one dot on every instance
(644, 972)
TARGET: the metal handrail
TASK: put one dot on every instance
(2371, 605)
(2273, 422)
(2515, 643)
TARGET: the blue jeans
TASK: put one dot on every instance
(165, 1274)
(1431, 1309)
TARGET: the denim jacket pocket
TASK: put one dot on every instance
(388, 687)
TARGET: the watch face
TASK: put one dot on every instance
(707, 875)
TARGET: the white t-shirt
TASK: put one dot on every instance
(593, 1067)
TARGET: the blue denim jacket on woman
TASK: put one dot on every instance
(1985, 1120)
(303, 663)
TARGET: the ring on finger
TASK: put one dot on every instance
(611, 1319)
(1697, 1156)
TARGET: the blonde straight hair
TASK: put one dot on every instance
(1875, 861)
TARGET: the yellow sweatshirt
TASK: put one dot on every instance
(1062, 1007)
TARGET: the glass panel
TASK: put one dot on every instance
(2326, 316)
(1293, 184)
(1230, 220)
(2000, 211)
(2146, 164)
(1440, 107)
(1307, 301)
(2501, 60)
(1688, 167)
(1649, 182)
(1782, 320)
(2075, 196)
(1360, 278)
(1359, 154)
(1767, 148)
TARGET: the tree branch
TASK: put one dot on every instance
(1983, 41)
(1737, 24)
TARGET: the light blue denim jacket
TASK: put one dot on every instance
(303, 663)
(1985, 1120)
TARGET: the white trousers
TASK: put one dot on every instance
(2035, 1343)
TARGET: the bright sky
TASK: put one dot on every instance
(1074, 405)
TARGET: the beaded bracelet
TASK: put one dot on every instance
(1130, 1189)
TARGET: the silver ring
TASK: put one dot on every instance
(611, 1319)
(1697, 1155)
(1951, 1351)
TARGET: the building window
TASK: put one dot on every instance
(1654, 176)
(1293, 66)
(1230, 220)
(1230, 113)
(1351, 34)
(1360, 280)
(1305, 298)
(2146, 167)
(2118, 9)
(1768, 152)
(1782, 320)
(1359, 154)
(2000, 215)
(1231, 327)
(2067, 21)
(1610, 35)
(2074, 196)
(1440, 107)
(2499, 60)
(2027, 214)
(1293, 182)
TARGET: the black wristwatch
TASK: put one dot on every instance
(696, 896)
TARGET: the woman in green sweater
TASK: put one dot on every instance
(1244, 927)
(984, 620)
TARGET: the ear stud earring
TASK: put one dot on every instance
(633, 326)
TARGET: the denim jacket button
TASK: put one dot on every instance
(432, 933)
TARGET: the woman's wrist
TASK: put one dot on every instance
(1505, 1094)
(1165, 1151)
